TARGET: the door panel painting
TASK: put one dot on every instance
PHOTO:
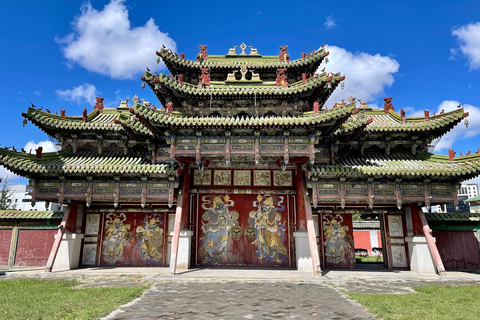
(338, 240)
(396, 241)
(243, 230)
(134, 239)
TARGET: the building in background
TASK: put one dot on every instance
(21, 199)
(466, 191)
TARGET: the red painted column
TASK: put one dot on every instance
(184, 224)
(58, 239)
(308, 217)
(432, 247)
(301, 217)
(181, 217)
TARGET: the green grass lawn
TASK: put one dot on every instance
(430, 302)
(369, 259)
(49, 299)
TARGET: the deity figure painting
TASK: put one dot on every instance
(338, 243)
(269, 228)
(218, 222)
(150, 238)
(117, 235)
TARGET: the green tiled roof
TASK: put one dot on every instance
(257, 63)
(86, 163)
(473, 199)
(392, 122)
(133, 124)
(239, 91)
(453, 216)
(400, 165)
(162, 118)
(96, 121)
(18, 214)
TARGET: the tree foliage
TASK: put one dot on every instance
(5, 195)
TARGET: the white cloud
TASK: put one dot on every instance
(330, 23)
(7, 174)
(47, 145)
(460, 131)
(105, 42)
(85, 92)
(366, 75)
(37, 93)
(468, 38)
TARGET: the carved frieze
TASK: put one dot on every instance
(242, 178)
(261, 178)
(202, 178)
(282, 178)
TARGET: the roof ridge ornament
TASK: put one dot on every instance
(232, 52)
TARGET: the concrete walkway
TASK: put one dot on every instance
(211, 293)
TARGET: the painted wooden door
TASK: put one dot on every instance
(243, 230)
(134, 239)
(395, 235)
(338, 247)
(458, 249)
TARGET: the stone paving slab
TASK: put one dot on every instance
(248, 293)
(241, 300)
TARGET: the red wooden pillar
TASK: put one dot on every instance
(301, 216)
(305, 215)
(181, 217)
(432, 247)
(58, 238)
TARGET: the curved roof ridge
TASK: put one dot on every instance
(173, 61)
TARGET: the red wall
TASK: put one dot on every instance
(33, 247)
(5, 238)
(361, 240)
(458, 249)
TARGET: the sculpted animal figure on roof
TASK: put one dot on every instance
(169, 107)
(283, 56)
(202, 55)
(281, 78)
(99, 104)
(388, 105)
(204, 79)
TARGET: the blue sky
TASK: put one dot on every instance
(61, 54)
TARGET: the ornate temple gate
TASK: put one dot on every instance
(244, 230)
(133, 239)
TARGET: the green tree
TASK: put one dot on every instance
(5, 193)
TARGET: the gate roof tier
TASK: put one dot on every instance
(225, 63)
(112, 121)
(423, 165)
(157, 118)
(318, 88)
(69, 165)
(30, 215)
(391, 123)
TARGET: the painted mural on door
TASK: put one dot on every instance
(133, 239)
(338, 241)
(243, 230)
(218, 221)
(269, 228)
